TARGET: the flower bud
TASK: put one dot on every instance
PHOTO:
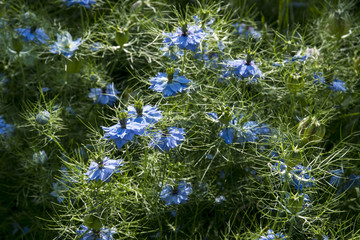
(339, 23)
(42, 117)
(170, 74)
(40, 157)
(93, 222)
(295, 203)
(310, 130)
(17, 44)
(122, 37)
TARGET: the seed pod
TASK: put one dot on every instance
(93, 222)
(122, 37)
(43, 117)
(310, 130)
(295, 203)
(339, 23)
(17, 44)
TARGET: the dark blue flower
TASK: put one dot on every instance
(103, 170)
(270, 235)
(164, 141)
(176, 195)
(85, 3)
(185, 37)
(104, 96)
(169, 83)
(337, 86)
(102, 234)
(6, 129)
(144, 115)
(65, 45)
(227, 134)
(122, 134)
(301, 178)
(319, 78)
(33, 34)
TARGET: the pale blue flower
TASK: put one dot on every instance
(40, 157)
(243, 68)
(149, 115)
(176, 195)
(270, 235)
(164, 141)
(246, 31)
(337, 86)
(59, 189)
(104, 170)
(162, 84)
(65, 45)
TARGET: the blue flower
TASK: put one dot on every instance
(122, 133)
(144, 115)
(102, 234)
(65, 45)
(300, 58)
(85, 3)
(104, 170)
(244, 68)
(250, 132)
(6, 129)
(169, 83)
(42, 117)
(337, 86)
(272, 236)
(33, 34)
(246, 31)
(227, 134)
(176, 195)
(171, 52)
(319, 78)
(301, 178)
(59, 189)
(165, 141)
(185, 37)
(344, 183)
(104, 96)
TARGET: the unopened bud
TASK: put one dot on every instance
(310, 130)
(122, 37)
(339, 23)
(17, 44)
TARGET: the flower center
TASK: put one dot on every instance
(170, 74)
(123, 119)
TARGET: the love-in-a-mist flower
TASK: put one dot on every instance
(104, 95)
(144, 114)
(176, 194)
(169, 83)
(103, 169)
(123, 131)
(164, 141)
(59, 189)
(271, 235)
(65, 45)
(185, 37)
(244, 68)
(247, 31)
(6, 129)
(92, 234)
(172, 52)
(319, 78)
(251, 132)
(227, 120)
(33, 34)
(337, 86)
(85, 3)
(301, 177)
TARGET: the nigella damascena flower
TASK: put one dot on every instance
(244, 68)
(59, 189)
(92, 234)
(172, 52)
(185, 37)
(301, 177)
(176, 194)
(33, 34)
(251, 131)
(164, 141)
(104, 96)
(270, 235)
(337, 86)
(104, 169)
(247, 31)
(319, 78)
(169, 83)
(144, 114)
(124, 131)
(6, 129)
(85, 3)
(65, 45)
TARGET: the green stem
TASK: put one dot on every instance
(23, 77)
